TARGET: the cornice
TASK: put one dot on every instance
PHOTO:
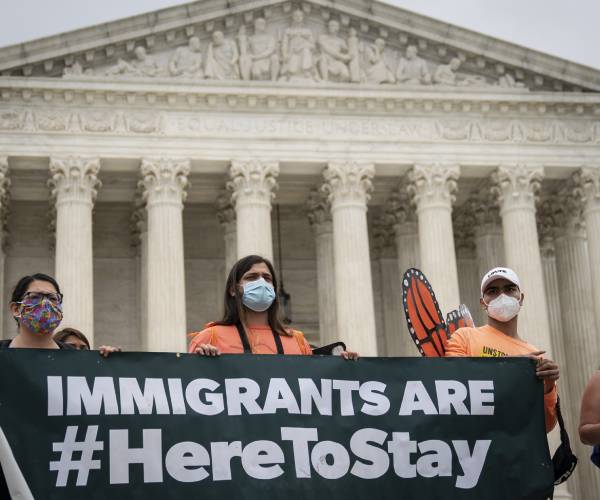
(144, 92)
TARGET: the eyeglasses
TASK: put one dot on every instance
(35, 298)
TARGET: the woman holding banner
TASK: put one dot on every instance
(36, 305)
(251, 322)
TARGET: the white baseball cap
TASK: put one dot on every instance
(497, 273)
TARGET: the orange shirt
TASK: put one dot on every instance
(260, 338)
(485, 341)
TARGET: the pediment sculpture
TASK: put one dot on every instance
(294, 53)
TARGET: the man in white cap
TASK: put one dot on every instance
(501, 298)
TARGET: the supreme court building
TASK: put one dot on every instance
(348, 140)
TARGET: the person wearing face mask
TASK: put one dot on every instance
(502, 299)
(251, 322)
(36, 305)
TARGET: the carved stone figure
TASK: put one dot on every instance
(334, 54)
(264, 54)
(354, 54)
(412, 69)
(508, 81)
(377, 71)
(187, 61)
(446, 74)
(221, 58)
(74, 70)
(143, 65)
(244, 53)
(297, 49)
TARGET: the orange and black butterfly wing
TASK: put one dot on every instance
(425, 321)
(459, 318)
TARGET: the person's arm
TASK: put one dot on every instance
(589, 421)
(458, 345)
(550, 408)
(201, 344)
(548, 371)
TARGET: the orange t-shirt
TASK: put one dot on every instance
(227, 339)
(485, 341)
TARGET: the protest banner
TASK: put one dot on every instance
(161, 426)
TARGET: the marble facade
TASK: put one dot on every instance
(137, 164)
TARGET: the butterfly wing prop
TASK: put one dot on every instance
(425, 321)
(459, 318)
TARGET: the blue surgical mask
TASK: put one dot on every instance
(258, 295)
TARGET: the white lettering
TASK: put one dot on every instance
(185, 462)
(242, 392)
(153, 394)
(103, 394)
(257, 455)
(416, 398)
(214, 402)
(377, 459)
(149, 455)
(472, 465)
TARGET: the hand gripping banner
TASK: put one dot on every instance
(162, 426)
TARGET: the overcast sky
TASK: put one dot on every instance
(566, 28)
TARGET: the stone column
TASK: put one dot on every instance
(433, 187)
(139, 229)
(489, 241)
(463, 219)
(403, 218)
(388, 303)
(348, 185)
(164, 182)
(319, 217)
(4, 206)
(516, 187)
(546, 232)
(226, 217)
(74, 185)
(577, 310)
(252, 184)
(589, 181)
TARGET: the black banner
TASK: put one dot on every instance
(158, 426)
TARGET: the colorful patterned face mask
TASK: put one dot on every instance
(41, 318)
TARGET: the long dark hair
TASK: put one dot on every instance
(234, 308)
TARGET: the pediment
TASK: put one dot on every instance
(357, 42)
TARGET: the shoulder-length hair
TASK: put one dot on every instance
(233, 310)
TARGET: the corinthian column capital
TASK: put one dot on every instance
(588, 180)
(348, 183)
(517, 186)
(399, 209)
(568, 213)
(433, 185)
(253, 181)
(226, 211)
(164, 181)
(138, 221)
(318, 211)
(74, 179)
(546, 227)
